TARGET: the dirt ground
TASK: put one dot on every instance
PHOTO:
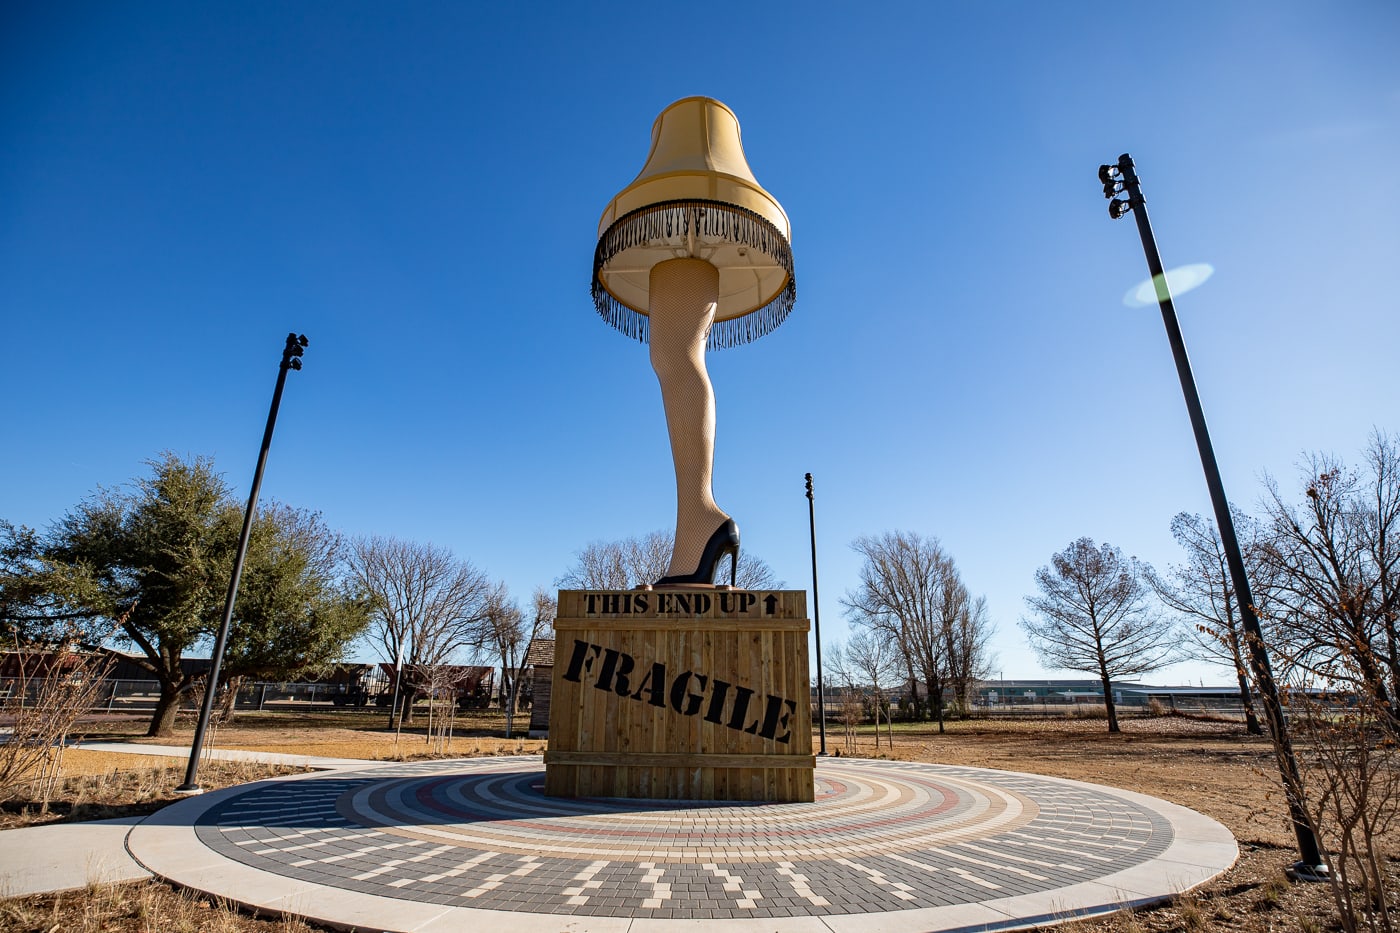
(103, 786)
(376, 747)
(1212, 767)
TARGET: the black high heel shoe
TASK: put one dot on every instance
(724, 541)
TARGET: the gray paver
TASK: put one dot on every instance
(887, 845)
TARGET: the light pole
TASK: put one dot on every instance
(817, 617)
(1122, 178)
(291, 359)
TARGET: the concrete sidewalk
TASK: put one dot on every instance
(65, 856)
(68, 856)
(228, 754)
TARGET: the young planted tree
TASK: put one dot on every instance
(873, 657)
(850, 711)
(1203, 593)
(52, 685)
(1095, 614)
(1351, 775)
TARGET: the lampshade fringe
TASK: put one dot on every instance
(711, 219)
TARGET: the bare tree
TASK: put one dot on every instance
(1203, 593)
(428, 605)
(632, 562)
(755, 574)
(1337, 559)
(619, 565)
(506, 634)
(544, 610)
(968, 635)
(1095, 614)
(910, 590)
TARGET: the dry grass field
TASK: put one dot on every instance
(1213, 767)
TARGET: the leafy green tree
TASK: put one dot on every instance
(156, 555)
(38, 605)
(294, 612)
(158, 558)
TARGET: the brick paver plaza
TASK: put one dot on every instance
(886, 846)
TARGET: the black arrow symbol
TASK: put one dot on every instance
(770, 604)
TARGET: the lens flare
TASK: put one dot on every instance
(1179, 281)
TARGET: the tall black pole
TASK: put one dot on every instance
(816, 616)
(291, 359)
(1312, 865)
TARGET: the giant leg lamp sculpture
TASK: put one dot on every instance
(694, 254)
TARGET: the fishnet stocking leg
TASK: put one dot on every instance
(684, 293)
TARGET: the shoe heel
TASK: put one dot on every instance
(725, 540)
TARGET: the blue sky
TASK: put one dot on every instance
(416, 187)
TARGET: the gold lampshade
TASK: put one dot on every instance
(697, 198)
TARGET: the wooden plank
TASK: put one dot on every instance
(679, 760)
(715, 625)
(705, 733)
(656, 781)
(695, 643)
(753, 605)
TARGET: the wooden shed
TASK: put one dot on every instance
(539, 657)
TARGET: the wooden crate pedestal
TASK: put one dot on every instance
(681, 694)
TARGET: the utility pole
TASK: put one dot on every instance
(1122, 178)
(291, 359)
(817, 618)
